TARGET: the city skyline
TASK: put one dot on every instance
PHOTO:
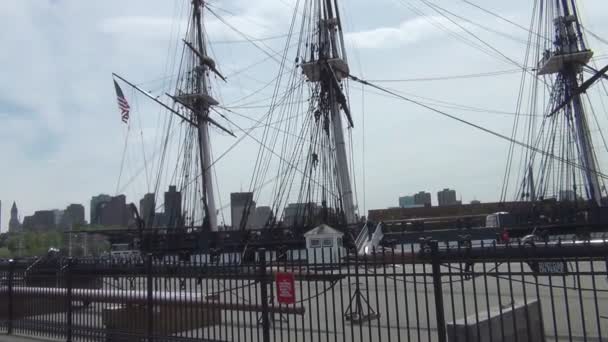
(66, 145)
(138, 203)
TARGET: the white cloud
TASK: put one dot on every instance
(407, 32)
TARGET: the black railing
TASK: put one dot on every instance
(519, 292)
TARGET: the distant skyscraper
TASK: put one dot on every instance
(73, 216)
(446, 197)
(423, 198)
(173, 207)
(239, 201)
(42, 220)
(407, 202)
(28, 223)
(261, 217)
(300, 213)
(58, 215)
(13, 224)
(96, 202)
(113, 213)
(147, 207)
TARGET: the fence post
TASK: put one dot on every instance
(150, 300)
(68, 284)
(11, 275)
(438, 291)
(264, 295)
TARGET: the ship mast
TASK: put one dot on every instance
(198, 100)
(567, 60)
(327, 67)
(193, 103)
(203, 124)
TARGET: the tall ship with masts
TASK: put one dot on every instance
(304, 166)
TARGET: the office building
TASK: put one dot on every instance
(147, 208)
(73, 216)
(262, 217)
(173, 208)
(96, 202)
(242, 206)
(423, 198)
(58, 214)
(407, 202)
(113, 213)
(446, 197)
(296, 214)
(42, 220)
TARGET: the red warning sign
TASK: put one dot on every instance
(286, 288)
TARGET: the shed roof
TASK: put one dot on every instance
(323, 230)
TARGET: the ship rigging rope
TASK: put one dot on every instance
(172, 130)
(475, 43)
(170, 67)
(141, 169)
(441, 11)
(263, 159)
(247, 133)
(143, 147)
(504, 19)
(600, 39)
(255, 92)
(484, 47)
(469, 21)
(450, 77)
(229, 75)
(124, 155)
(260, 124)
(520, 99)
(438, 24)
(263, 185)
(272, 151)
(250, 39)
(452, 105)
(237, 41)
(479, 127)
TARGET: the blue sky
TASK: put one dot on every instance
(61, 139)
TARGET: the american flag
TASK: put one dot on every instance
(123, 105)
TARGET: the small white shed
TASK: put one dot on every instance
(324, 245)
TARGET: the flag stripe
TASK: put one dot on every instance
(123, 105)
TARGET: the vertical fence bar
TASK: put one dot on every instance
(11, 275)
(264, 295)
(68, 282)
(150, 299)
(416, 306)
(450, 282)
(436, 267)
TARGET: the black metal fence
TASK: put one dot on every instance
(543, 292)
